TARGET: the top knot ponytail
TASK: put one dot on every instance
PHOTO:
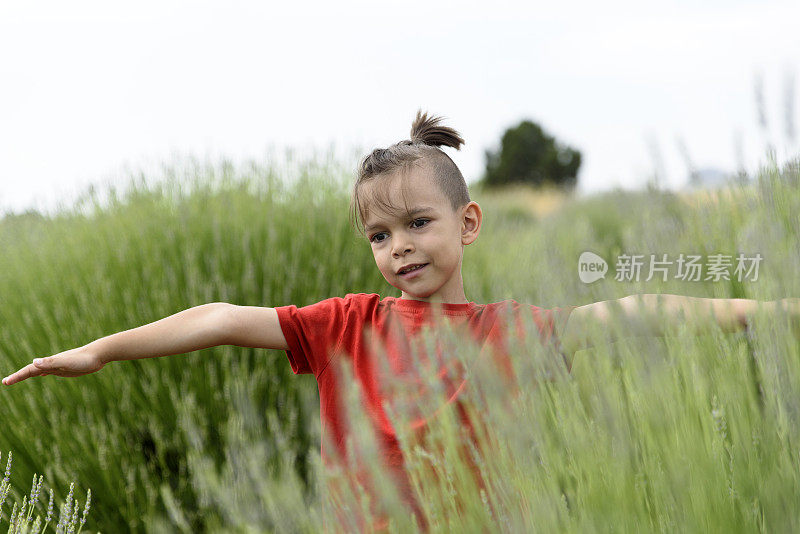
(426, 130)
(422, 150)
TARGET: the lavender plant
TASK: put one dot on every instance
(19, 522)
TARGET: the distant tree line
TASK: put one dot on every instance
(529, 155)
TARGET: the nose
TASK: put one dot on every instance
(402, 246)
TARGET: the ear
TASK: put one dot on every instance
(471, 217)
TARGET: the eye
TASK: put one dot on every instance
(423, 221)
(374, 238)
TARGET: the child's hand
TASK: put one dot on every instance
(73, 362)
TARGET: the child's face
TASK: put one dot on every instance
(430, 233)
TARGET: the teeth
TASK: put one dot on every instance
(412, 269)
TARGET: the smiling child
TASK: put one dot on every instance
(412, 204)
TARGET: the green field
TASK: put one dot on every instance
(678, 433)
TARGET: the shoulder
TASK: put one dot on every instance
(540, 314)
(362, 297)
(362, 300)
(331, 313)
(511, 304)
(350, 299)
(361, 304)
(503, 306)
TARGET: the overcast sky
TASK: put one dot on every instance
(90, 88)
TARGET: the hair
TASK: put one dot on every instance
(420, 151)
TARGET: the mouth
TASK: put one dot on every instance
(409, 269)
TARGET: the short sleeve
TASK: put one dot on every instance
(313, 332)
(551, 323)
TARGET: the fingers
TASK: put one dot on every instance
(24, 373)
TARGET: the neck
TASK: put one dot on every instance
(460, 299)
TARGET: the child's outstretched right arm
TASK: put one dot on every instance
(200, 327)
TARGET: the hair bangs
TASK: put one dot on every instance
(379, 195)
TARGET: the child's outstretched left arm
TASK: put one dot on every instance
(656, 314)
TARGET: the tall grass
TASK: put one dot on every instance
(674, 433)
(21, 516)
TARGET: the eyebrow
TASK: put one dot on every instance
(411, 213)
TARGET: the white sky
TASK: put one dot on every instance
(89, 87)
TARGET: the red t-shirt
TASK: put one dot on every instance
(332, 332)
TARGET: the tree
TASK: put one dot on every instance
(529, 155)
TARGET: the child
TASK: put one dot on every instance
(412, 204)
